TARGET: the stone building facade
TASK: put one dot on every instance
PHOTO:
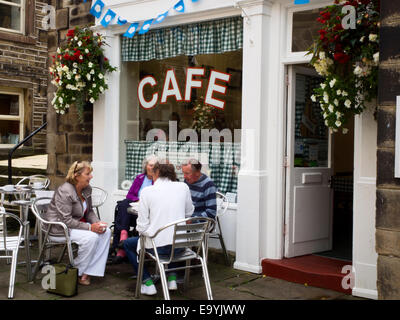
(388, 187)
(67, 139)
(23, 76)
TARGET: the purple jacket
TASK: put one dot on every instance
(133, 193)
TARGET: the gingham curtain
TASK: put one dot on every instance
(223, 159)
(215, 36)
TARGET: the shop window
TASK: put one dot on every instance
(11, 117)
(304, 29)
(162, 98)
(12, 15)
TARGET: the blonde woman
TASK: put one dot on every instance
(72, 205)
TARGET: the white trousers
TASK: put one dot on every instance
(93, 251)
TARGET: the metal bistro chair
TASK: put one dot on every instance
(99, 196)
(31, 180)
(46, 239)
(216, 232)
(10, 244)
(190, 236)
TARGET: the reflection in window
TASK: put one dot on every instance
(305, 29)
(311, 134)
(11, 14)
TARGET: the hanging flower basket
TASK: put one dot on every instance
(348, 60)
(203, 116)
(79, 70)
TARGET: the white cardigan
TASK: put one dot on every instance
(160, 204)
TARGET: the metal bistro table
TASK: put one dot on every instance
(24, 201)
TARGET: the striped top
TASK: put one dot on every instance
(203, 197)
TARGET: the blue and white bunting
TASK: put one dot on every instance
(146, 26)
(108, 17)
(180, 6)
(131, 30)
(301, 1)
(121, 21)
(97, 8)
(161, 17)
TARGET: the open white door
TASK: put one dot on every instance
(309, 201)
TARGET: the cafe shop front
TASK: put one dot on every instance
(229, 82)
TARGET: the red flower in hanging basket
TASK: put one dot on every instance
(341, 57)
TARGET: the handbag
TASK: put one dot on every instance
(66, 280)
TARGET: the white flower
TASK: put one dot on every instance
(80, 57)
(88, 76)
(313, 98)
(347, 103)
(62, 111)
(338, 123)
(60, 99)
(101, 89)
(344, 93)
(358, 71)
(326, 122)
(345, 130)
(373, 37)
(90, 64)
(330, 108)
(77, 77)
(68, 76)
(94, 85)
(76, 38)
(79, 43)
(376, 58)
(339, 92)
(101, 76)
(86, 50)
(338, 115)
(75, 65)
(326, 97)
(74, 71)
(362, 39)
(332, 83)
(336, 102)
(58, 50)
(322, 55)
(92, 71)
(65, 68)
(325, 115)
(91, 100)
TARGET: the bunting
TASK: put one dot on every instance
(97, 10)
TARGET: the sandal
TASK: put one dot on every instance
(85, 282)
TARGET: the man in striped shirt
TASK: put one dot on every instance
(202, 189)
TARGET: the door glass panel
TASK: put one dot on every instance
(9, 130)
(311, 134)
(305, 29)
(9, 104)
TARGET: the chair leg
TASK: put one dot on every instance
(98, 213)
(39, 260)
(221, 240)
(164, 282)
(140, 272)
(187, 275)
(12, 274)
(62, 254)
(206, 279)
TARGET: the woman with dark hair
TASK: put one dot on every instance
(124, 220)
(160, 204)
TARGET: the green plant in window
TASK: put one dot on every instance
(203, 116)
(348, 60)
(79, 70)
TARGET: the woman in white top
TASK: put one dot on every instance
(72, 205)
(160, 204)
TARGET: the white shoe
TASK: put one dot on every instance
(148, 290)
(172, 285)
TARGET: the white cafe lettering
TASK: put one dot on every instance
(171, 87)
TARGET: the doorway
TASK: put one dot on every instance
(319, 175)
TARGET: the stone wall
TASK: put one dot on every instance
(67, 139)
(388, 187)
(23, 65)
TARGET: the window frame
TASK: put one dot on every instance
(22, 13)
(20, 93)
(291, 9)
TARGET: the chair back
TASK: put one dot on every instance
(99, 196)
(222, 204)
(5, 238)
(33, 180)
(39, 208)
(188, 233)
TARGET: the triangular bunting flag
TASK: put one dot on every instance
(180, 6)
(161, 17)
(121, 21)
(146, 26)
(108, 17)
(97, 8)
(131, 30)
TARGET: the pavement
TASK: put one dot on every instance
(117, 284)
(35, 162)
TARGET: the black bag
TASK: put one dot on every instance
(66, 280)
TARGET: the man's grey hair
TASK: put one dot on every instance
(149, 158)
(194, 163)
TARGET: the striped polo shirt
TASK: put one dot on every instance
(203, 197)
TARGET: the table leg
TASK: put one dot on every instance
(27, 252)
